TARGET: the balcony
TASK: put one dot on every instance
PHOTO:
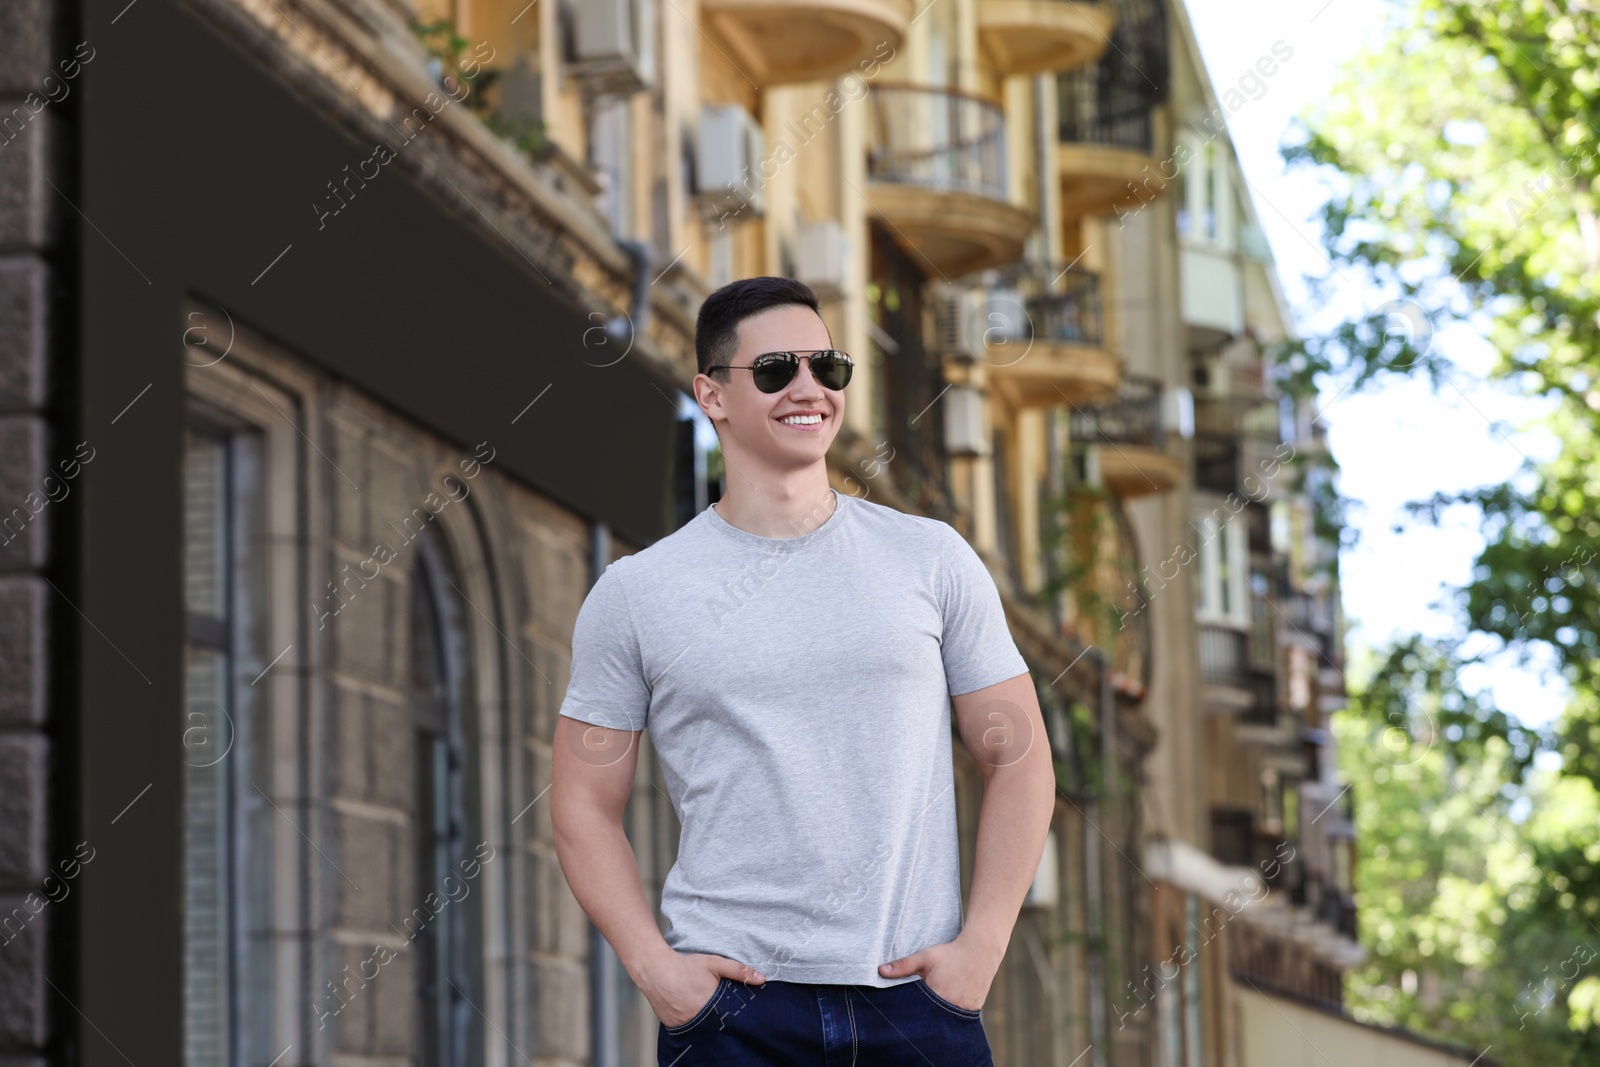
(1039, 331)
(936, 169)
(1106, 152)
(1039, 36)
(773, 42)
(1236, 447)
(1127, 438)
(1225, 664)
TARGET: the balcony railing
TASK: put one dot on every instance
(1231, 836)
(1337, 910)
(1232, 435)
(1132, 418)
(1109, 102)
(1044, 302)
(936, 138)
(1225, 661)
(1251, 417)
(1218, 464)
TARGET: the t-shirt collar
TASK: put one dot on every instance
(780, 544)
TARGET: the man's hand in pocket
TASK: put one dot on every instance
(680, 986)
(959, 971)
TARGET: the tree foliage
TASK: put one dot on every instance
(1464, 154)
(1476, 877)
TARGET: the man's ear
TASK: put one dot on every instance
(713, 393)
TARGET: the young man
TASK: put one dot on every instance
(795, 653)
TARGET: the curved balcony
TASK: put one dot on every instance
(773, 42)
(1038, 36)
(1236, 675)
(1039, 333)
(936, 168)
(1129, 439)
(1106, 152)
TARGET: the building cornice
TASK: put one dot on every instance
(364, 78)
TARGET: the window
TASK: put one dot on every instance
(445, 943)
(1222, 566)
(611, 151)
(1271, 802)
(1342, 866)
(1191, 989)
(1169, 1021)
(228, 975)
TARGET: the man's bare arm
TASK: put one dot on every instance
(591, 777)
(1002, 727)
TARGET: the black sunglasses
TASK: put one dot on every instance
(772, 371)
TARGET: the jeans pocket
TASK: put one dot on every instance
(967, 1013)
(699, 1016)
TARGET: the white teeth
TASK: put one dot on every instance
(802, 420)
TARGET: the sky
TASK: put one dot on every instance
(1396, 442)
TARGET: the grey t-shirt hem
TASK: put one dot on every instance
(836, 974)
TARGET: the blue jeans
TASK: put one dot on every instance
(802, 1024)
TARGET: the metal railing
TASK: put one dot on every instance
(1250, 417)
(1225, 661)
(1132, 417)
(1233, 834)
(1043, 301)
(937, 138)
(1109, 102)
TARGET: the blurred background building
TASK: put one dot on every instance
(366, 328)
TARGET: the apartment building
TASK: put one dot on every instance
(346, 341)
(1250, 841)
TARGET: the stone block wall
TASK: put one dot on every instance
(34, 514)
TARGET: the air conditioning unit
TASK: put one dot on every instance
(958, 320)
(966, 430)
(821, 255)
(613, 45)
(1003, 316)
(728, 158)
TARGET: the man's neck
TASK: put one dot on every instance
(778, 513)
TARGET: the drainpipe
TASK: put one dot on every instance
(1099, 1017)
(624, 328)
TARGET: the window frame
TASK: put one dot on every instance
(1228, 545)
(264, 497)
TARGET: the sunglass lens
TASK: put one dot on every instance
(774, 373)
(832, 370)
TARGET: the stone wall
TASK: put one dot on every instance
(34, 516)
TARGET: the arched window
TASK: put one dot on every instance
(447, 930)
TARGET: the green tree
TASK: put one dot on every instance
(1464, 153)
(1465, 907)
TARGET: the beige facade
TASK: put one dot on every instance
(1277, 1029)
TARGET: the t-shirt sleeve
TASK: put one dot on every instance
(607, 686)
(977, 646)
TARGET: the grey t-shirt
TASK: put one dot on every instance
(797, 694)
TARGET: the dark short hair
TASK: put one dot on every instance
(716, 329)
